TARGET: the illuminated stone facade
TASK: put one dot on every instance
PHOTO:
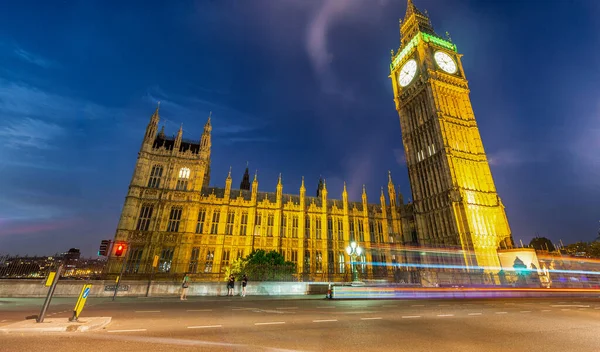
(455, 199)
(172, 213)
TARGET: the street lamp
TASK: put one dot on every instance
(354, 250)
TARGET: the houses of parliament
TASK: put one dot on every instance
(175, 222)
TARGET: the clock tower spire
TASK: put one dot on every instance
(455, 199)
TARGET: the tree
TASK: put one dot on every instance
(542, 244)
(263, 266)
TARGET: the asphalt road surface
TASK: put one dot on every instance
(315, 324)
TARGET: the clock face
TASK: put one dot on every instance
(407, 72)
(445, 62)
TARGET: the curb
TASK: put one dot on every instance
(52, 325)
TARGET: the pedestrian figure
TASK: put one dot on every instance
(244, 283)
(230, 285)
(184, 287)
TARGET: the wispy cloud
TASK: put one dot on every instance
(18, 99)
(30, 133)
(33, 59)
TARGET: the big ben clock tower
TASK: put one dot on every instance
(455, 199)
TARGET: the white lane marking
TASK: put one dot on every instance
(410, 316)
(501, 312)
(147, 311)
(360, 312)
(569, 305)
(204, 326)
(546, 310)
(375, 318)
(271, 323)
(475, 313)
(418, 305)
(326, 307)
(3, 321)
(324, 320)
(525, 311)
(130, 330)
(445, 315)
(287, 308)
(199, 310)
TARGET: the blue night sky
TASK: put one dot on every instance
(297, 87)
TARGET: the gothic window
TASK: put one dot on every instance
(155, 176)
(225, 258)
(307, 261)
(318, 261)
(362, 264)
(307, 226)
(270, 223)
(230, 221)
(318, 228)
(330, 230)
(143, 223)
(208, 263)
(244, 224)
(294, 257)
(372, 230)
(283, 225)
(351, 229)
(330, 262)
(341, 263)
(201, 219)
(257, 223)
(166, 259)
(182, 179)
(134, 260)
(174, 219)
(380, 232)
(193, 267)
(361, 231)
(214, 227)
(295, 226)
(340, 229)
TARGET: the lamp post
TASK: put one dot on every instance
(354, 250)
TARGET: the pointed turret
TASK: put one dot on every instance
(228, 184)
(324, 193)
(364, 195)
(391, 190)
(383, 204)
(178, 139)
(152, 127)
(245, 184)
(320, 186)
(302, 193)
(414, 21)
(205, 141)
(255, 186)
(279, 190)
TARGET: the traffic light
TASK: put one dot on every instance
(103, 251)
(119, 250)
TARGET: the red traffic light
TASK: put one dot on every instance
(119, 250)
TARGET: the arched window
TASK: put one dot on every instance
(155, 176)
(182, 180)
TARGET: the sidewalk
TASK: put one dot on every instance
(56, 325)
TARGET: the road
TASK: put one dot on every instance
(316, 324)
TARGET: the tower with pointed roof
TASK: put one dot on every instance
(455, 200)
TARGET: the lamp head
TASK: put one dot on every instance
(353, 244)
(349, 250)
(358, 250)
